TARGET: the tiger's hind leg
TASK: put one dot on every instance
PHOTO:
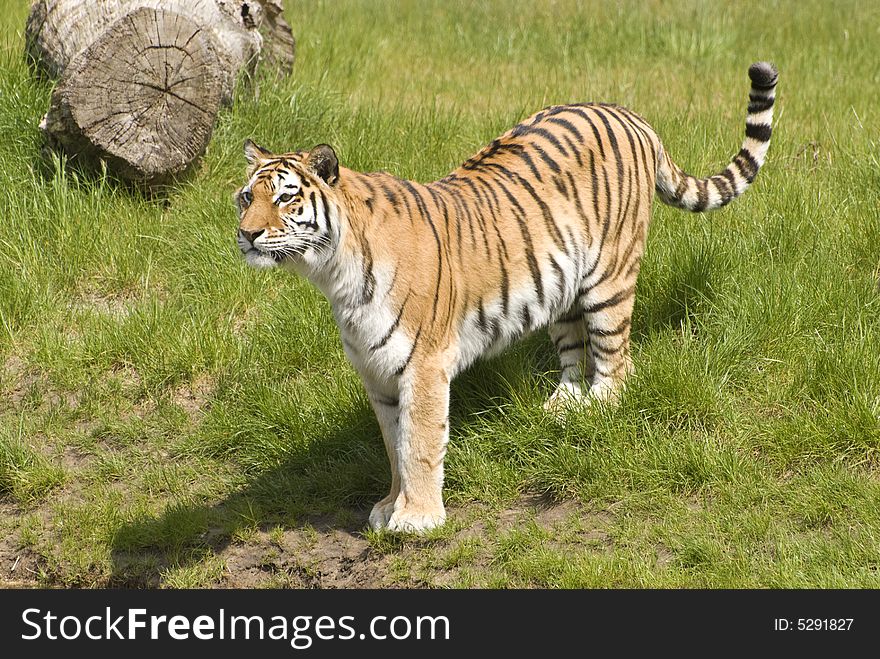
(569, 335)
(608, 317)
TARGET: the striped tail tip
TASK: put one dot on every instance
(679, 189)
(763, 75)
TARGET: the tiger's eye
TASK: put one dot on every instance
(245, 197)
(285, 198)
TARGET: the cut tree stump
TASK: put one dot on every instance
(142, 81)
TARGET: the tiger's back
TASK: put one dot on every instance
(545, 226)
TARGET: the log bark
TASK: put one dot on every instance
(141, 81)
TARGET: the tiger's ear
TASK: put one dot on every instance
(322, 160)
(254, 153)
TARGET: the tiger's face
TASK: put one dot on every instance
(286, 209)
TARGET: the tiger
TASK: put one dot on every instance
(543, 227)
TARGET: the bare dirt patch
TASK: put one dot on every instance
(194, 396)
(18, 380)
(304, 558)
(324, 554)
(19, 566)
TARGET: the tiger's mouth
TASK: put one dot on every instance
(259, 259)
(256, 257)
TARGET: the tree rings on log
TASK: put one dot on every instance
(143, 96)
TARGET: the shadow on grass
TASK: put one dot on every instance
(683, 294)
(86, 174)
(327, 485)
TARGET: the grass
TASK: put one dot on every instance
(171, 418)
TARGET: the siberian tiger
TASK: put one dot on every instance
(545, 226)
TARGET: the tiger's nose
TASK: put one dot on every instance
(251, 236)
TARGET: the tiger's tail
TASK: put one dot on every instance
(679, 189)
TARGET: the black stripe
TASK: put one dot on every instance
(759, 104)
(602, 350)
(637, 121)
(550, 137)
(576, 246)
(440, 203)
(547, 214)
(487, 325)
(525, 157)
(575, 150)
(393, 327)
(495, 147)
(457, 217)
(722, 186)
(481, 317)
(326, 207)
(760, 132)
(417, 197)
(369, 286)
(560, 185)
(634, 266)
(406, 362)
(765, 87)
(607, 224)
(559, 271)
(463, 214)
(580, 209)
(731, 178)
(643, 132)
(750, 170)
(484, 201)
(612, 301)
(389, 194)
(636, 238)
(481, 223)
(570, 317)
(640, 166)
(594, 180)
(612, 138)
(525, 316)
(505, 287)
(586, 117)
(565, 123)
(568, 347)
(702, 196)
(552, 164)
(423, 209)
(620, 329)
(527, 243)
(682, 186)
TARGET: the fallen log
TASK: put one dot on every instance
(141, 81)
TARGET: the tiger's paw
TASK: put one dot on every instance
(606, 391)
(567, 396)
(381, 513)
(415, 521)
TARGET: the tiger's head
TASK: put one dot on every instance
(286, 208)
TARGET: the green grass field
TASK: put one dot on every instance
(170, 417)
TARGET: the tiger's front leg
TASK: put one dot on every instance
(422, 436)
(386, 405)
